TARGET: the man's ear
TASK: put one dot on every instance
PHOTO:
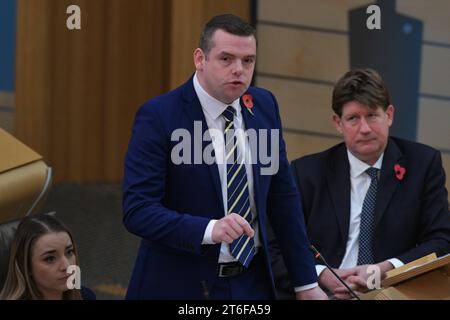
(337, 122)
(199, 59)
(390, 114)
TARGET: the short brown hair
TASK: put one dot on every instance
(362, 85)
(226, 22)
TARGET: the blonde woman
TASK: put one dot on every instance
(41, 252)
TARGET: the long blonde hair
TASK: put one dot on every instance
(19, 285)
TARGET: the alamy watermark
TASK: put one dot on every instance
(74, 280)
(73, 21)
(374, 279)
(189, 149)
(374, 20)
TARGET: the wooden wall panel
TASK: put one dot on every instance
(33, 74)
(434, 123)
(325, 14)
(324, 56)
(299, 145)
(332, 14)
(188, 19)
(435, 70)
(308, 109)
(300, 53)
(136, 70)
(78, 91)
(186, 27)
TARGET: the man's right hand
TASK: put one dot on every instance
(230, 228)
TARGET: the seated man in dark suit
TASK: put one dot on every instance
(373, 199)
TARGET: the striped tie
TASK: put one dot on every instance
(365, 254)
(243, 248)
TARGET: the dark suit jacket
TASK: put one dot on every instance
(411, 216)
(169, 205)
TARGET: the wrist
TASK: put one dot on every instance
(323, 275)
(324, 278)
(385, 266)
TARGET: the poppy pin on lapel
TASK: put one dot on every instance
(399, 172)
(248, 102)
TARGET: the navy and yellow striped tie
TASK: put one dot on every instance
(243, 248)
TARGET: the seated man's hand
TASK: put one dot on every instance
(328, 280)
(358, 281)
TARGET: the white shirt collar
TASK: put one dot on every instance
(358, 167)
(211, 105)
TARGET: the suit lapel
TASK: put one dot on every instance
(194, 110)
(251, 122)
(338, 179)
(388, 183)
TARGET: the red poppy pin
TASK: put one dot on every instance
(248, 102)
(399, 172)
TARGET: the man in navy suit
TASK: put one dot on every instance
(374, 199)
(203, 222)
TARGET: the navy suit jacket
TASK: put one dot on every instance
(411, 216)
(169, 205)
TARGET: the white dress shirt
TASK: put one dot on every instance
(359, 184)
(213, 109)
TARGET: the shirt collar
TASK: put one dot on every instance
(358, 167)
(211, 105)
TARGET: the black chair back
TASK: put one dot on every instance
(7, 232)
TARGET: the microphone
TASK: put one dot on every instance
(319, 257)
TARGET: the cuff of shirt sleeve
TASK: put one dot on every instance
(207, 237)
(395, 262)
(306, 287)
(319, 269)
